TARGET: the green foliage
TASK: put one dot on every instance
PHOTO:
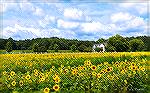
(110, 48)
(119, 43)
(136, 45)
(37, 48)
(101, 40)
(97, 49)
(82, 48)
(9, 46)
(88, 49)
(56, 47)
(73, 48)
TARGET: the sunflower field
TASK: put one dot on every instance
(117, 72)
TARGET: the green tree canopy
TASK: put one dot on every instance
(119, 43)
(136, 45)
(9, 46)
(73, 48)
(56, 47)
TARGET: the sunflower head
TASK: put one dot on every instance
(46, 90)
(98, 75)
(28, 77)
(93, 67)
(21, 83)
(56, 87)
(57, 80)
(13, 83)
(74, 71)
(12, 73)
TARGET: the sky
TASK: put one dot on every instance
(80, 19)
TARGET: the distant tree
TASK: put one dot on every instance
(97, 49)
(88, 49)
(136, 45)
(35, 47)
(110, 48)
(119, 43)
(9, 46)
(73, 48)
(81, 48)
(50, 47)
(101, 40)
(42, 49)
(56, 47)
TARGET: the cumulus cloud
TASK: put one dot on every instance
(73, 13)
(66, 24)
(46, 20)
(19, 32)
(140, 8)
(120, 17)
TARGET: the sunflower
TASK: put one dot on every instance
(36, 74)
(12, 73)
(28, 77)
(65, 71)
(142, 68)
(57, 80)
(46, 90)
(81, 67)
(56, 87)
(42, 79)
(133, 68)
(21, 83)
(4, 73)
(35, 70)
(13, 83)
(94, 73)
(55, 76)
(98, 75)
(74, 71)
(109, 69)
(87, 63)
(93, 67)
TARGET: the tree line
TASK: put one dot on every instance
(116, 43)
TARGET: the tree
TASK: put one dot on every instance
(42, 49)
(9, 46)
(136, 45)
(119, 43)
(56, 47)
(82, 47)
(88, 49)
(101, 40)
(110, 48)
(35, 47)
(98, 49)
(73, 48)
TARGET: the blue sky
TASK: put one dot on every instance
(73, 20)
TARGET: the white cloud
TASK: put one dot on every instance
(66, 24)
(21, 30)
(141, 8)
(27, 6)
(120, 17)
(38, 11)
(4, 6)
(54, 32)
(47, 20)
(73, 13)
(93, 27)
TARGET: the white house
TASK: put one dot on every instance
(99, 46)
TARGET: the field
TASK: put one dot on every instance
(117, 72)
